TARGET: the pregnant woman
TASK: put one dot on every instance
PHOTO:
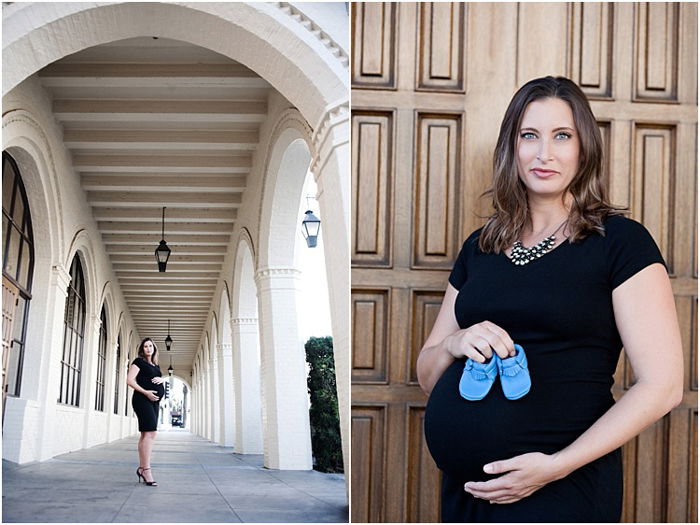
(538, 306)
(145, 378)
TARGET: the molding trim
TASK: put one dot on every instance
(244, 321)
(268, 273)
(316, 31)
(335, 114)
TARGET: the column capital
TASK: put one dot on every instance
(272, 273)
(224, 349)
(244, 321)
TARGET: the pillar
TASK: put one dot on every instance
(246, 383)
(331, 167)
(287, 439)
(227, 408)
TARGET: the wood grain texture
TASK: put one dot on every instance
(441, 61)
(372, 140)
(423, 475)
(368, 435)
(657, 27)
(592, 48)
(370, 310)
(650, 166)
(438, 155)
(373, 53)
(425, 306)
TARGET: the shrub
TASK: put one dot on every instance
(323, 413)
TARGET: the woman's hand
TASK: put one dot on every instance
(522, 475)
(479, 341)
(158, 380)
(151, 395)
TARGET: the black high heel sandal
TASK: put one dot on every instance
(139, 475)
(149, 483)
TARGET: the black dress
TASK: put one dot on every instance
(559, 308)
(145, 409)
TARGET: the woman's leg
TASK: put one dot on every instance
(148, 440)
(144, 460)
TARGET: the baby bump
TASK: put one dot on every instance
(463, 436)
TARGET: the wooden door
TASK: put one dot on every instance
(430, 85)
(10, 292)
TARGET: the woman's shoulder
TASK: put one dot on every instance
(138, 362)
(619, 227)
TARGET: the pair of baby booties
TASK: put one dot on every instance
(478, 378)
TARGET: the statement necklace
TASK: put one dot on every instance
(520, 255)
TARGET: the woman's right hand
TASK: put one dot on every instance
(151, 395)
(479, 341)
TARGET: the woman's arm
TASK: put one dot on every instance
(131, 381)
(645, 315)
(447, 342)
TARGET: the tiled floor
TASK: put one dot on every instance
(199, 482)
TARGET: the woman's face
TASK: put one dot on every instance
(148, 348)
(548, 148)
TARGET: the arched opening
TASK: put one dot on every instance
(17, 274)
(285, 399)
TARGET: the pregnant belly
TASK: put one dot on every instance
(463, 436)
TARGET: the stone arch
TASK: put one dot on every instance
(288, 160)
(285, 403)
(262, 36)
(227, 397)
(26, 142)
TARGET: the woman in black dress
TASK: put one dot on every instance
(596, 283)
(145, 378)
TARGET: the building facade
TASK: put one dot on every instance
(215, 112)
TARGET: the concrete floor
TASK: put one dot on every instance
(199, 482)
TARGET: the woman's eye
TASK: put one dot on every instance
(563, 135)
(527, 135)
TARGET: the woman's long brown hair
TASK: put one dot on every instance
(590, 206)
(142, 355)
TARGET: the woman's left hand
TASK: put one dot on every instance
(522, 475)
(158, 380)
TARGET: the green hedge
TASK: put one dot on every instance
(323, 413)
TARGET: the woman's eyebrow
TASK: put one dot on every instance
(560, 128)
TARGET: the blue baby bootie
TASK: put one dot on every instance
(477, 379)
(515, 377)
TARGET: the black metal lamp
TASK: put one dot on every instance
(168, 339)
(170, 368)
(310, 227)
(162, 252)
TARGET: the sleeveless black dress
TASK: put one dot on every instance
(559, 308)
(146, 410)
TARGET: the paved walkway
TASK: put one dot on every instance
(198, 482)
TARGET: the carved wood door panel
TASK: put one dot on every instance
(430, 85)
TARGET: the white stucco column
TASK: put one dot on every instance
(331, 167)
(206, 401)
(60, 279)
(214, 399)
(246, 382)
(91, 340)
(287, 436)
(227, 408)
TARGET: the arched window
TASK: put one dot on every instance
(101, 360)
(116, 374)
(73, 333)
(17, 271)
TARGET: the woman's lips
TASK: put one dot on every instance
(543, 173)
